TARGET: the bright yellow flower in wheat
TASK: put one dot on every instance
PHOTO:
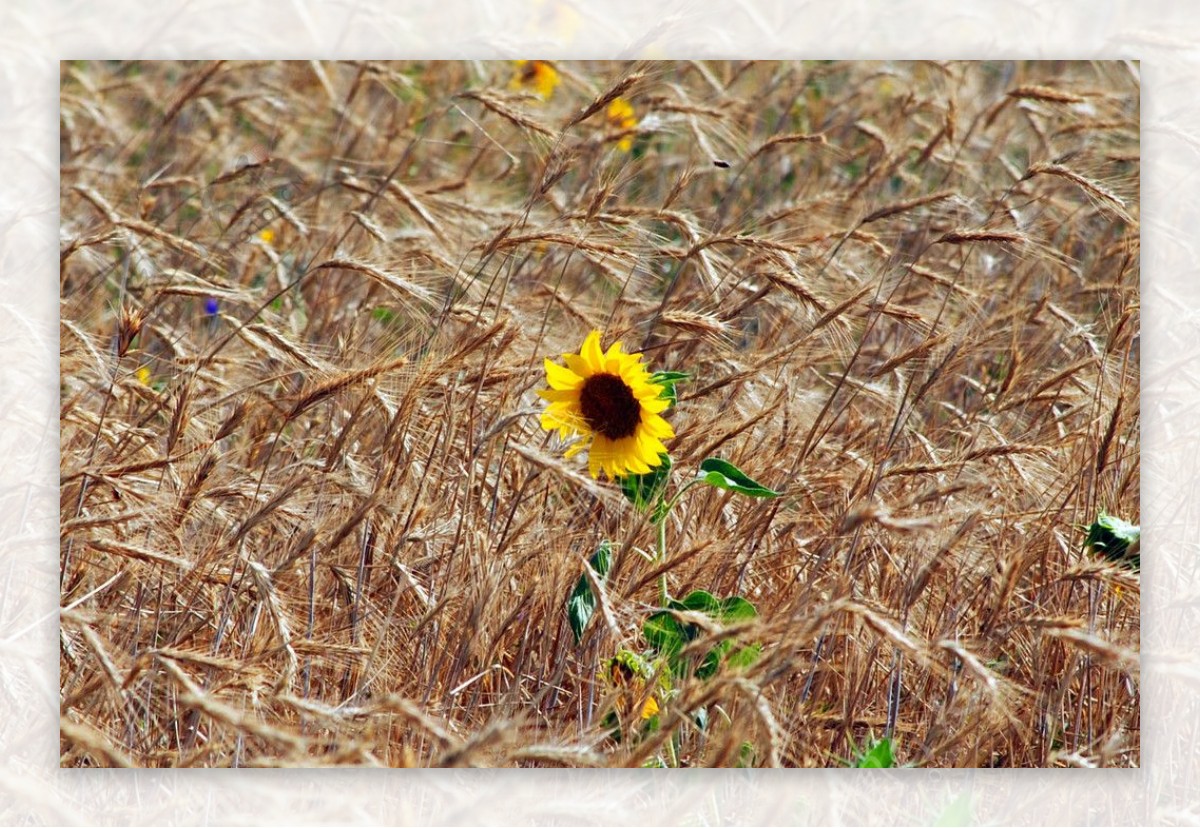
(620, 116)
(538, 75)
(610, 400)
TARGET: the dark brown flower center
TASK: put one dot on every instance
(609, 406)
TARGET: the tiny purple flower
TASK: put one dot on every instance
(210, 306)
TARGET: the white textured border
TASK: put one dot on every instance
(35, 34)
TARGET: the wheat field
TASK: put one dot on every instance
(309, 516)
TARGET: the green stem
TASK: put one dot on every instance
(663, 595)
(671, 503)
(672, 752)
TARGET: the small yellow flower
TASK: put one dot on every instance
(620, 116)
(650, 708)
(267, 235)
(610, 400)
(143, 375)
(627, 674)
(538, 75)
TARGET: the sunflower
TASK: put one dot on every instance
(610, 399)
(628, 674)
(620, 116)
(538, 75)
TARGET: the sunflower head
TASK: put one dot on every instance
(537, 75)
(629, 674)
(609, 399)
(620, 116)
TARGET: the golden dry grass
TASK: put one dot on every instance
(324, 527)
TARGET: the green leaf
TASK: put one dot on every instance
(665, 634)
(745, 657)
(731, 610)
(699, 601)
(582, 602)
(1116, 539)
(613, 725)
(712, 661)
(879, 755)
(724, 475)
(644, 490)
(669, 635)
(737, 609)
(667, 380)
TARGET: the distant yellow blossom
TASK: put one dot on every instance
(628, 674)
(267, 235)
(650, 708)
(620, 116)
(538, 75)
(143, 375)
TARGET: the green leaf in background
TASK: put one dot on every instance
(731, 610)
(384, 315)
(699, 601)
(665, 634)
(737, 608)
(1116, 539)
(879, 755)
(744, 657)
(725, 475)
(668, 635)
(582, 602)
(667, 380)
(643, 490)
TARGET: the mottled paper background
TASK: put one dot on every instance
(36, 34)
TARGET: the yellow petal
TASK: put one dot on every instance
(650, 708)
(578, 364)
(617, 362)
(591, 352)
(656, 405)
(651, 452)
(656, 426)
(615, 468)
(561, 416)
(638, 466)
(645, 390)
(631, 458)
(649, 444)
(561, 410)
(556, 395)
(602, 455)
(560, 378)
